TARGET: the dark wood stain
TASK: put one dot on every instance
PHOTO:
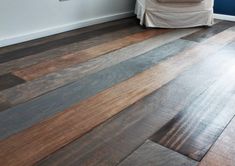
(208, 32)
(9, 80)
(4, 104)
(5, 57)
(82, 89)
(112, 141)
(181, 95)
(150, 154)
(194, 130)
(67, 126)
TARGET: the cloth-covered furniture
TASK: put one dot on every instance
(175, 13)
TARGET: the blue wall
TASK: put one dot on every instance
(225, 7)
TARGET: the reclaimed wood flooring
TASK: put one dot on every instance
(119, 94)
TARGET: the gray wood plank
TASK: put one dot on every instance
(52, 81)
(38, 109)
(112, 141)
(152, 154)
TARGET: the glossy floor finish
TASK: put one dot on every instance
(119, 94)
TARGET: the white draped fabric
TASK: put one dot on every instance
(174, 15)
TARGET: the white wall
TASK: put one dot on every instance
(22, 20)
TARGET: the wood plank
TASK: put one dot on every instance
(14, 121)
(150, 154)
(102, 146)
(194, 130)
(65, 127)
(63, 50)
(29, 90)
(64, 34)
(208, 32)
(223, 151)
(40, 69)
(5, 57)
(9, 80)
(4, 104)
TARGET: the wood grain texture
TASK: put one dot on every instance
(9, 80)
(150, 154)
(194, 130)
(63, 50)
(13, 121)
(65, 61)
(102, 146)
(61, 42)
(29, 90)
(223, 151)
(63, 35)
(208, 32)
(56, 132)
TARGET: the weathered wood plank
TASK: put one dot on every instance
(208, 32)
(9, 80)
(194, 130)
(102, 146)
(38, 70)
(223, 151)
(63, 50)
(13, 121)
(5, 57)
(150, 154)
(65, 127)
(64, 34)
(52, 81)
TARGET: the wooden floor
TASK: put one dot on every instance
(119, 94)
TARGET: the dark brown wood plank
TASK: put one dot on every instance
(4, 104)
(38, 70)
(102, 146)
(65, 127)
(223, 151)
(194, 130)
(63, 35)
(61, 42)
(68, 49)
(208, 32)
(9, 80)
(150, 154)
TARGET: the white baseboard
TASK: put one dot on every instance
(62, 28)
(224, 17)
